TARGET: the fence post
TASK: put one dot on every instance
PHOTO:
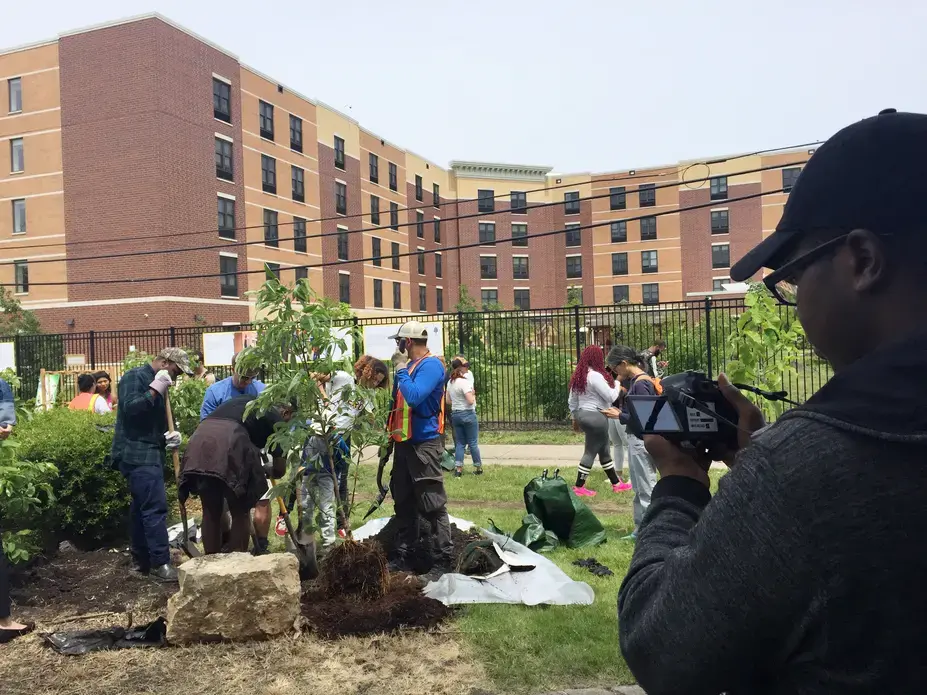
(93, 351)
(460, 334)
(708, 333)
(173, 337)
(354, 339)
(576, 328)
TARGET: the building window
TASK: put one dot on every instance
(268, 174)
(647, 194)
(436, 195)
(621, 294)
(523, 299)
(378, 294)
(574, 235)
(339, 153)
(717, 284)
(619, 230)
(519, 235)
(374, 210)
(571, 203)
(226, 218)
(649, 262)
(489, 298)
(22, 276)
(720, 222)
(228, 276)
(224, 160)
(299, 184)
(574, 266)
(719, 188)
(344, 288)
(374, 168)
(789, 177)
(394, 215)
(487, 233)
(376, 252)
(221, 100)
(488, 267)
(393, 177)
(15, 89)
(617, 200)
(421, 261)
(395, 255)
(397, 295)
(266, 112)
(519, 203)
(419, 224)
(619, 264)
(720, 255)
(296, 133)
(437, 224)
(439, 300)
(17, 156)
(648, 228)
(275, 269)
(342, 245)
(486, 201)
(650, 293)
(301, 273)
(419, 194)
(439, 266)
(271, 235)
(19, 217)
(299, 234)
(341, 198)
(422, 298)
(520, 267)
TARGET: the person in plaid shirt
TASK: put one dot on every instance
(139, 444)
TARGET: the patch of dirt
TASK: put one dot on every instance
(421, 559)
(77, 583)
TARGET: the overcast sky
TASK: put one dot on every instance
(586, 85)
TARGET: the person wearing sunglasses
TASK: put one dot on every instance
(803, 573)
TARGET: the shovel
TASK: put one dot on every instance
(189, 548)
(303, 544)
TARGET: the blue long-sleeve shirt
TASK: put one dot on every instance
(423, 391)
(223, 391)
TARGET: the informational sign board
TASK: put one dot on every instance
(8, 356)
(75, 361)
(378, 344)
(218, 348)
(45, 398)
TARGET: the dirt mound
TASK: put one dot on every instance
(368, 601)
(421, 559)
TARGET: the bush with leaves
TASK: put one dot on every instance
(92, 500)
(303, 335)
(546, 382)
(26, 496)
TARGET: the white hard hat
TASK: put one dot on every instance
(411, 329)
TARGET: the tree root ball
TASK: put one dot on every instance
(355, 569)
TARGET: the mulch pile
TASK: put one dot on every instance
(355, 595)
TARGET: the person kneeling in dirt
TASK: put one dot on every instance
(223, 463)
(417, 427)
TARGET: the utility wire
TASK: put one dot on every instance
(482, 215)
(625, 177)
(325, 264)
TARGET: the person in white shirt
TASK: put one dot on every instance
(462, 398)
(592, 390)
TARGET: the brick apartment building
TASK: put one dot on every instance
(114, 147)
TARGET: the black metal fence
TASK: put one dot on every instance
(521, 360)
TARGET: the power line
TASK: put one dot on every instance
(325, 264)
(263, 242)
(456, 201)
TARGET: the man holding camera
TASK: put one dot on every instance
(803, 573)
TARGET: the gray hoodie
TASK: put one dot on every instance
(805, 573)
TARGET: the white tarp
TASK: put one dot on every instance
(545, 584)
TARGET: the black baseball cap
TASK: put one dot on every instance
(870, 175)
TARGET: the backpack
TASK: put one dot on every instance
(657, 386)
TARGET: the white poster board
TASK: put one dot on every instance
(378, 344)
(218, 348)
(47, 401)
(8, 356)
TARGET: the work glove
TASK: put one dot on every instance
(400, 360)
(172, 440)
(162, 382)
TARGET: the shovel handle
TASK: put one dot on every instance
(175, 455)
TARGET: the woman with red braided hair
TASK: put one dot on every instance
(592, 390)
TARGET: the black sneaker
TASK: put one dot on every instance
(478, 471)
(458, 473)
(164, 573)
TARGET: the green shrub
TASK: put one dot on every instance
(546, 383)
(186, 401)
(26, 497)
(92, 499)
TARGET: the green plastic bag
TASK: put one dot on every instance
(447, 460)
(553, 502)
(533, 535)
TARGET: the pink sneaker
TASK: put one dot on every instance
(583, 492)
(621, 487)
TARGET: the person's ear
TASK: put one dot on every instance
(867, 260)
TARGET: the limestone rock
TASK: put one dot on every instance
(234, 597)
